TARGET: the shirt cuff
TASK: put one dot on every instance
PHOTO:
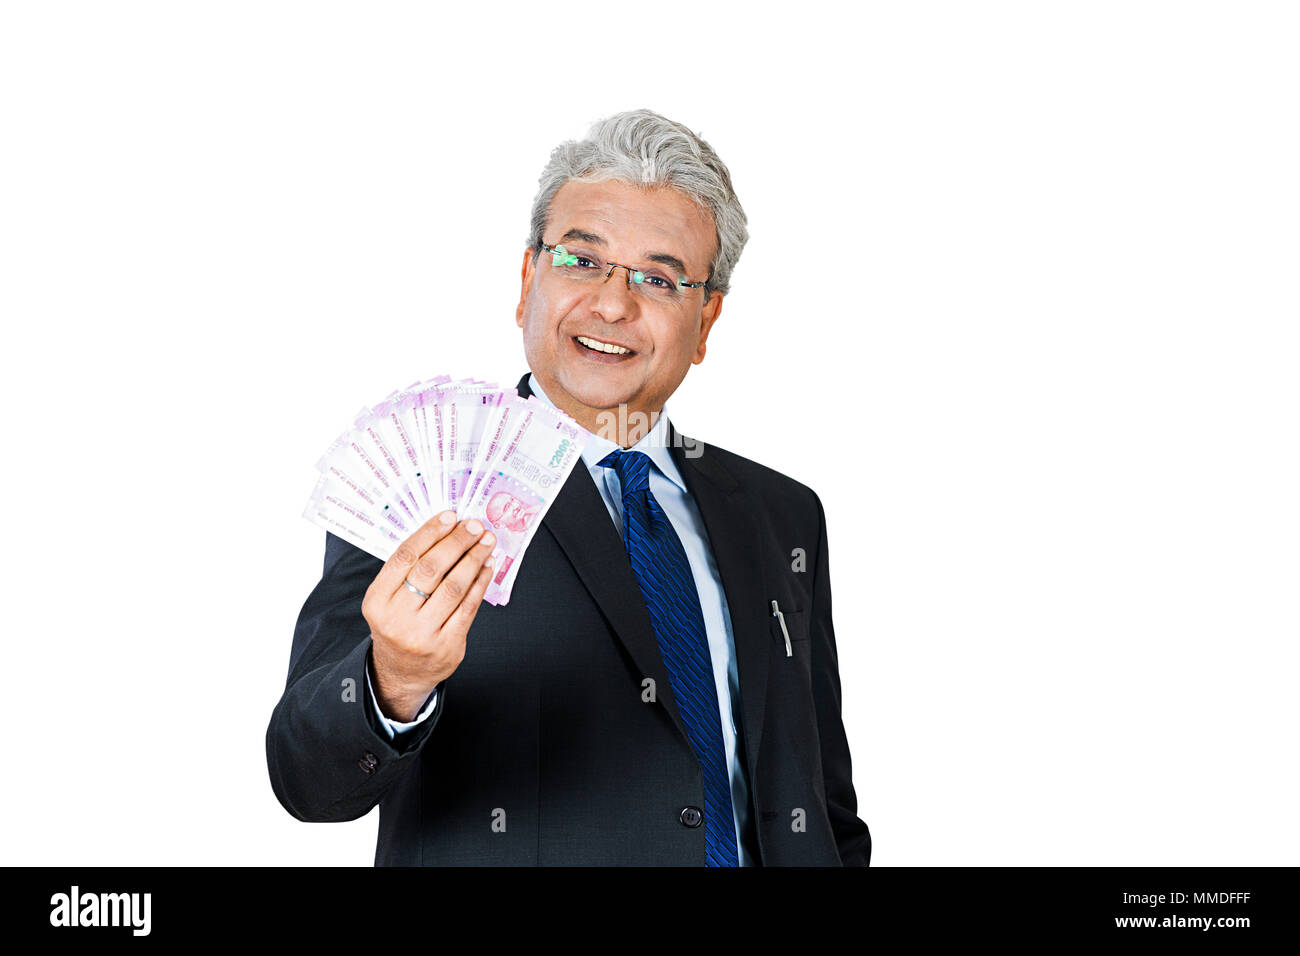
(395, 727)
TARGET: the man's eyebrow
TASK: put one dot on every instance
(663, 258)
(579, 236)
(668, 260)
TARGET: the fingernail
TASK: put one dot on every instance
(447, 517)
(488, 538)
(473, 526)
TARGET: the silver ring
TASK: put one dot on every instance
(413, 589)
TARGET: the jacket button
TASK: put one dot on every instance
(368, 763)
(692, 817)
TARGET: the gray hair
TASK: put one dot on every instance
(642, 147)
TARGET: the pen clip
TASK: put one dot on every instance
(776, 613)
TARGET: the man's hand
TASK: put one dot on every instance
(419, 642)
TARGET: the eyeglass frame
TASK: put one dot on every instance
(558, 250)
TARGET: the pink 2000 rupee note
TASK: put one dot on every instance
(519, 482)
(358, 458)
(345, 481)
(464, 411)
(329, 510)
(372, 432)
(465, 444)
(419, 407)
(399, 437)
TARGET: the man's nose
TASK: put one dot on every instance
(614, 297)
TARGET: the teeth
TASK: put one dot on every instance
(603, 346)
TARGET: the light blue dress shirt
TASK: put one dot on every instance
(670, 491)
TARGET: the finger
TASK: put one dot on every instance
(418, 597)
(457, 582)
(463, 616)
(400, 562)
(427, 573)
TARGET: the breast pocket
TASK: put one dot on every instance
(789, 626)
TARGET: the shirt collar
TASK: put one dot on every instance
(653, 443)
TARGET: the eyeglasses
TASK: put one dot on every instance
(654, 282)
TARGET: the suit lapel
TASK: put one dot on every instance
(579, 522)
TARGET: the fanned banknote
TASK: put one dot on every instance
(464, 444)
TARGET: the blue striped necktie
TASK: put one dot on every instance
(661, 568)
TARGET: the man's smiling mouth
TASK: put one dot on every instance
(596, 345)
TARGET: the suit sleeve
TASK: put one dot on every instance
(394, 727)
(328, 755)
(852, 838)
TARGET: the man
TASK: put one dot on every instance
(662, 687)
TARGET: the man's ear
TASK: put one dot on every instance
(525, 283)
(708, 315)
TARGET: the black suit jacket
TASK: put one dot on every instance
(541, 749)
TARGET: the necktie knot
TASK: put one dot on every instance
(633, 468)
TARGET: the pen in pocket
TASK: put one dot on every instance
(776, 613)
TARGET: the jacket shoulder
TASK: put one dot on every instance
(776, 490)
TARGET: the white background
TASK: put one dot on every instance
(1020, 303)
